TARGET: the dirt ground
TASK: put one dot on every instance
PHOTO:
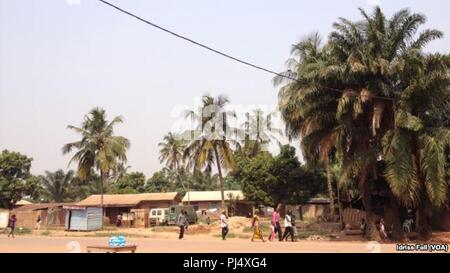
(201, 243)
(200, 238)
(192, 244)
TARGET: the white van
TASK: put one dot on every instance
(158, 216)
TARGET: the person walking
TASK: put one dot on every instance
(119, 220)
(276, 222)
(12, 225)
(257, 231)
(38, 223)
(288, 227)
(182, 223)
(294, 229)
(272, 232)
(383, 229)
(224, 225)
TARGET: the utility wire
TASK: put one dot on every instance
(217, 51)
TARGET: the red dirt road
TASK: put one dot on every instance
(197, 244)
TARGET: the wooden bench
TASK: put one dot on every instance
(111, 249)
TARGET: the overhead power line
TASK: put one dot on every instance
(217, 51)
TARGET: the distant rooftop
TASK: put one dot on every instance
(126, 200)
(196, 196)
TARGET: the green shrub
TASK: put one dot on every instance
(22, 230)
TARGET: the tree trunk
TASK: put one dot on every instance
(102, 180)
(219, 170)
(330, 189)
(422, 225)
(341, 219)
(372, 233)
(300, 212)
(397, 233)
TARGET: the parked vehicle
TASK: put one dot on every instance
(159, 216)
(176, 210)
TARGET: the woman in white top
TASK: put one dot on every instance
(224, 224)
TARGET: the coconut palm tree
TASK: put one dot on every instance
(171, 154)
(171, 151)
(58, 185)
(98, 148)
(212, 143)
(258, 132)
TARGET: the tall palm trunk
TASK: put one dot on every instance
(366, 192)
(330, 188)
(102, 181)
(338, 196)
(422, 213)
(397, 233)
(219, 170)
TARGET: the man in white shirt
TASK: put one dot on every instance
(288, 231)
(224, 224)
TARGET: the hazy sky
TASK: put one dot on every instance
(59, 59)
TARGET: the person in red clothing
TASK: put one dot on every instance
(276, 223)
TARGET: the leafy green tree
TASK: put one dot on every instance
(272, 180)
(161, 181)
(15, 178)
(98, 148)
(232, 183)
(130, 183)
(203, 181)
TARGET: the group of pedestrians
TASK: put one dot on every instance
(289, 226)
(275, 227)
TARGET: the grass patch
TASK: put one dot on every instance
(164, 228)
(304, 234)
(45, 233)
(22, 231)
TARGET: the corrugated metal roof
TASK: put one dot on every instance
(23, 203)
(40, 206)
(196, 196)
(126, 200)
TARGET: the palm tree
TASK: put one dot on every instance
(120, 171)
(212, 139)
(414, 149)
(58, 185)
(171, 154)
(309, 112)
(377, 52)
(98, 148)
(258, 133)
(362, 60)
(171, 151)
